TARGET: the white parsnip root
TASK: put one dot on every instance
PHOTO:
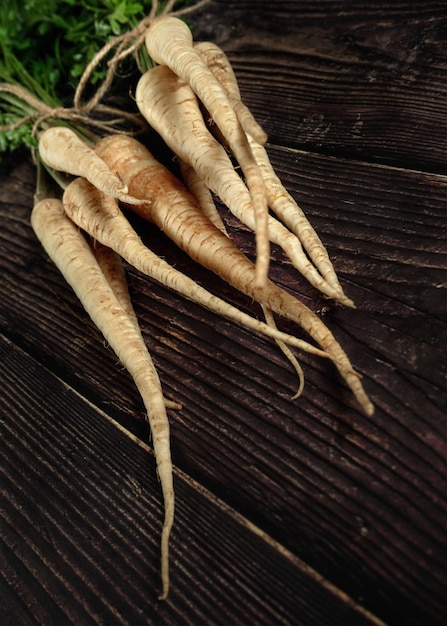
(279, 200)
(99, 215)
(205, 201)
(171, 108)
(201, 194)
(63, 150)
(218, 62)
(112, 268)
(290, 213)
(71, 253)
(169, 42)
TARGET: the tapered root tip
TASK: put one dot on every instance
(299, 391)
(353, 379)
(364, 401)
(167, 526)
(259, 135)
(171, 404)
(348, 302)
(128, 199)
(164, 581)
(340, 297)
(369, 408)
(163, 595)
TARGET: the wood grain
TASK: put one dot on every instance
(81, 522)
(370, 81)
(351, 510)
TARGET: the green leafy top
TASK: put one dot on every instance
(53, 40)
(45, 46)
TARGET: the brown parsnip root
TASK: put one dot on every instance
(169, 42)
(99, 215)
(205, 201)
(173, 209)
(71, 253)
(63, 150)
(171, 108)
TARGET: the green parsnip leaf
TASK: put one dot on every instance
(45, 46)
(55, 39)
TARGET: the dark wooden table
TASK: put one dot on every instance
(288, 512)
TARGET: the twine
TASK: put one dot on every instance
(125, 44)
(41, 113)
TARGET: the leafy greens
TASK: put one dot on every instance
(45, 46)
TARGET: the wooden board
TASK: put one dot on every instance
(294, 512)
(81, 523)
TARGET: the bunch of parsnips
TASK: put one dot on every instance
(190, 96)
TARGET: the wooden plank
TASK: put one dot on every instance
(362, 501)
(345, 492)
(81, 517)
(347, 79)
